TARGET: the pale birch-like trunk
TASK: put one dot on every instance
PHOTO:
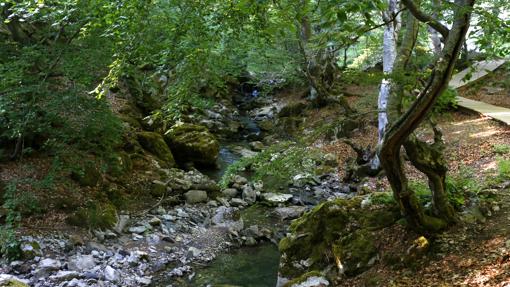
(433, 34)
(389, 56)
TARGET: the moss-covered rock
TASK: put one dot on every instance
(293, 109)
(87, 175)
(94, 216)
(154, 143)
(193, 143)
(355, 251)
(309, 279)
(11, 281)
(335, 233)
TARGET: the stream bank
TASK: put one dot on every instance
(178, 243)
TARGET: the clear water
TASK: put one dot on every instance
(225, 158)
(247, 267)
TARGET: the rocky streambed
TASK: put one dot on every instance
(215, 237)
(173, 246)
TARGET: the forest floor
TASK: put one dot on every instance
(468, 254)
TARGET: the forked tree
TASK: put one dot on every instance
(426, 157)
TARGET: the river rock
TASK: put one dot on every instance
(10, 280)
(155, 221)
(228, 217)
(138, 229)
(81, 263)
(195, 196)
(193, 143)
(47, 266)
(243, 152)
(111, 274)
(249, 194)
(63, 275)
(289, 212)
(239, 180)
(144, 281)
(312, 281)
(229, 192)
(276, 197)
(237, 202)
(154, 143)
(30, 249)
(257, 146)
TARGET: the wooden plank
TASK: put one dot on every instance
(498, 113)
(481, 70)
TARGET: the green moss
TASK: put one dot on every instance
(355, 251)
(303, 278)
(14, 283)
(154, 143)
(384, 198)
(94, 216)
(87, 175)
(291, 110)
(193, 143)
(315, 233)
(378, 219)
(434, 224)
(119, 164)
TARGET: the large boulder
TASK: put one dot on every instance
(193, 143)
(154, 143)
(335, 235)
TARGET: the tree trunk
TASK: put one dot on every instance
(433, 34)
(429, 159)
(320, 69)
(401, 129)
(389, 56)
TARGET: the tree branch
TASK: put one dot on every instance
(421, 16)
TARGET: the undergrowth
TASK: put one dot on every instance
(278, 164)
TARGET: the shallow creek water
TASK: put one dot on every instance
(255, 266)
(247, 267)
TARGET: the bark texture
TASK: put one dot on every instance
(400, 130)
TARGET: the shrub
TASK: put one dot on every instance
(501, 149)
(278, 164)
(503, 168)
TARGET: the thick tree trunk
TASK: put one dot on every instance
(429, 159)
(399, 131)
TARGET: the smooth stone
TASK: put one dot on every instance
(81, 263)
(257, 146)
(237, 202)
(195, 196)
(65, 276)
(249, 194)
(289, 212)
(111, 274)
(276, 197)
(138, 229)
(229, 192)
(155, 221)
(49, 264)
